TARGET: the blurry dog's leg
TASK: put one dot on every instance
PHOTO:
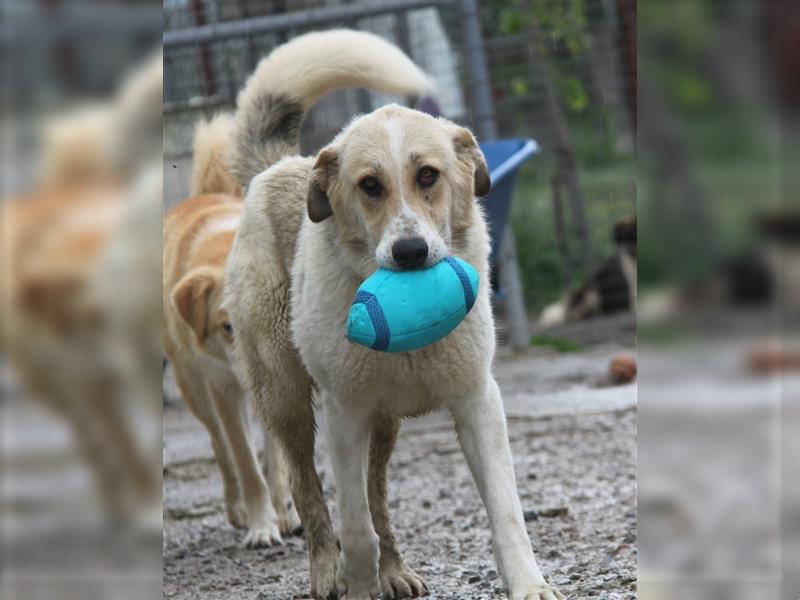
(397, 580)
(262, 523)
(129, 478)
(348, 438)
(481, 425)
(198, 402)
(276, 471)
(122, 460)
(71, 406)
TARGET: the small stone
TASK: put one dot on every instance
(622, 368)
(556, 511)
(530, 515)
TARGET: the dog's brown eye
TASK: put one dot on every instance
(370, 186)
(228, 328)
(427, 176)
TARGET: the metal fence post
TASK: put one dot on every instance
(483, 117)
(480, 86)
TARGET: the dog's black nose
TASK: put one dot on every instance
(410, 253)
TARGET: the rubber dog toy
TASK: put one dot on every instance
(398, 311)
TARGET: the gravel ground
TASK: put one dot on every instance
(574, 445)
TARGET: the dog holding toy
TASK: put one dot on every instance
(379, 238)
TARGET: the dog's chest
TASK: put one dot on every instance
(406, 383)
(401, 384)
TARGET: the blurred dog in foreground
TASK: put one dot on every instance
(82, 221)
(396, 188)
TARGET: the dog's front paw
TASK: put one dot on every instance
(236, 513)
(263, 536)
(398, 581)
(359, 591)
(351, 586)
(323, 573)
(541, 591)
(288, 519)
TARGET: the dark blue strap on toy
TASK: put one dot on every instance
(469, 297)
(377, 318)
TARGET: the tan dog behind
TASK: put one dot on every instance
(197, 238)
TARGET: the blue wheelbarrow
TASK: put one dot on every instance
(504, 158)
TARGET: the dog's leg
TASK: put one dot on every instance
(281, 387)
(348, 438)
(295, 430)
(397, 580)
(481, 426)
(275, 469)
(262, 522)
(196, 398)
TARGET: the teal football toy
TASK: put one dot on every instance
(398, 311)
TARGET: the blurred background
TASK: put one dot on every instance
(80, 343)
(718, 343)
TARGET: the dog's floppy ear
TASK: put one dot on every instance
(190, 298)
(318, 203)
(467, 146)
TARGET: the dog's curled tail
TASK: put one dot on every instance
(287, 83)
(211, 173)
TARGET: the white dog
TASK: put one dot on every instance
(395, 189)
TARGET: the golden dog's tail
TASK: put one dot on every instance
(211, 173)
(287, 83)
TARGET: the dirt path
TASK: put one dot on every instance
(574, 449)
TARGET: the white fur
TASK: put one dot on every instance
(629, 271)
(395, 130)
(312, 64)
(216, 226)
(408, 224)
(553, 314)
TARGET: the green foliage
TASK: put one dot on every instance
(565, 27)
(564, 21)
(512, 21)
(556, 343)
(519, 86)
(688, 89)
(573, 93)
(610, 193)
(606, 176)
